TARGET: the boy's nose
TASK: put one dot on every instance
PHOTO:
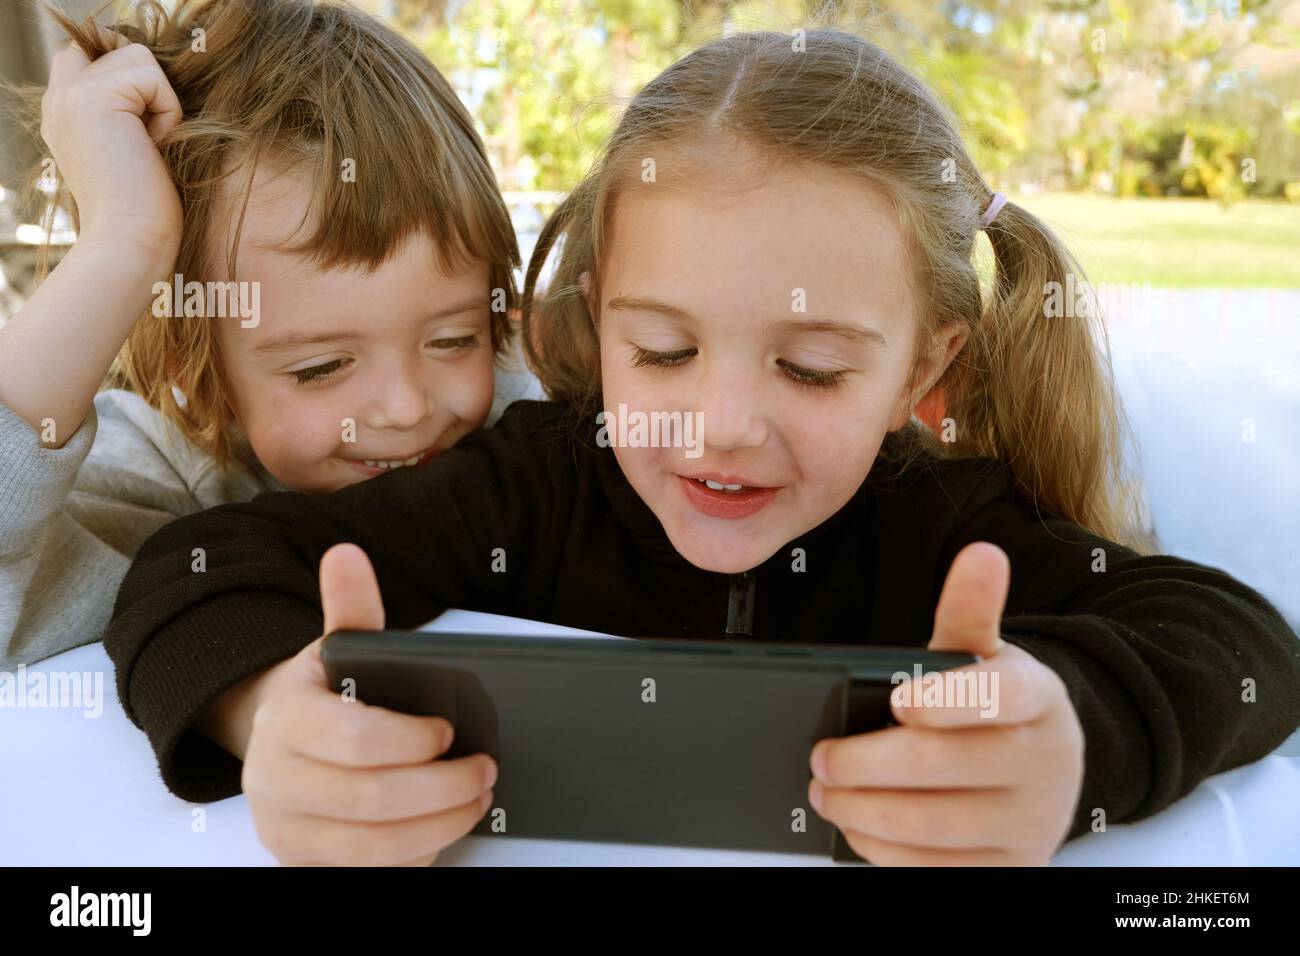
(403, 403)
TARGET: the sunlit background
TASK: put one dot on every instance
(1161, 137)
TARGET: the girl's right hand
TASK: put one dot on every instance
(338, 782)
(102, 121)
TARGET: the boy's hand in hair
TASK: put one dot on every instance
(955, 786)
(102, 120)
(338, 782)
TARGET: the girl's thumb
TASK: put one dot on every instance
(969, 615)
(349, 591)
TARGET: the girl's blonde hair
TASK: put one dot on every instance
(311, 84)
(1028, 390)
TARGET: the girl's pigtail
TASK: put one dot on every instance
(1033, 386)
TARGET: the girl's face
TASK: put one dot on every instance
(777, 307)
(347, 374)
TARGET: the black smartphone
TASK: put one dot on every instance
(657, 741)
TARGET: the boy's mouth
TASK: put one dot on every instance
(377, 466)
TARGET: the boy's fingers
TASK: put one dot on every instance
(118, 40)
(161, 101)
(349, 591)
(145, 92)
(376, 794)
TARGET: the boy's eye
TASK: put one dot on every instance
(644, 357)
(810, 376)
(460, 342)
(317, 372)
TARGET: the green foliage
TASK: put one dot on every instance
(995, 123)
(1127, 97)
(1215, 167)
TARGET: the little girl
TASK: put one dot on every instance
(777, 243)
(297, 202)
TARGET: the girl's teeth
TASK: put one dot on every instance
(718, 486)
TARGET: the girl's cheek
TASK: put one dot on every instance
(640, 390)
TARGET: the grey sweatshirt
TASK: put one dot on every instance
(72, 518)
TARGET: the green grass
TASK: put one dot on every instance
(1177, 243)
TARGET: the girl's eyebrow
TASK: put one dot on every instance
(293, 340)
(862, 334)
(640, 304)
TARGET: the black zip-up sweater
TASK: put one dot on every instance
(1153, 650)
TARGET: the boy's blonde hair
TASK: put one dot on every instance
(311, 84)
(1031, 391)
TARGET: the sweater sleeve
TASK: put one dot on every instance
(70, 519)
(222, 595)
(1177, 671)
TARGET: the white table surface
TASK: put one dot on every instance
(84, 791)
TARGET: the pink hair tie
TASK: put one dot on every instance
(995, 207)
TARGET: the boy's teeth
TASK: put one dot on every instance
(718, 486)
(390, 464)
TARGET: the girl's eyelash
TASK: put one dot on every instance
(813, 378)
(305, 376)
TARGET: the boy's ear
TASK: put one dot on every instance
(173, 373)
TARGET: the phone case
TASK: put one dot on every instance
(655, 741)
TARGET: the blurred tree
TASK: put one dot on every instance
(1124, 96)
(545, 78)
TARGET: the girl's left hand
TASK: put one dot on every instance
(960, 786)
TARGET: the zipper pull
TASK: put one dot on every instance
(740, 605)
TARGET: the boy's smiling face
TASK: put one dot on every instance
(699, 311)
(405, 352)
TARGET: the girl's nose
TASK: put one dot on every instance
(732, 405)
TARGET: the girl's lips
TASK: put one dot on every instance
(726, 504)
